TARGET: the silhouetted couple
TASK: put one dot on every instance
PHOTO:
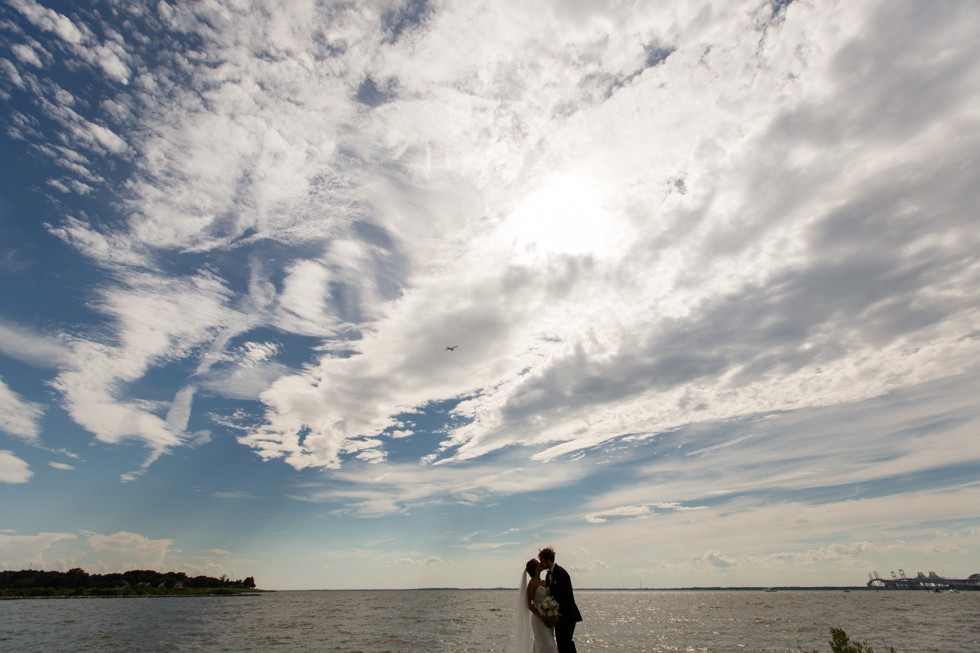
(545, 613)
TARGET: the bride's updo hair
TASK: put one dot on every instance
(531, 567)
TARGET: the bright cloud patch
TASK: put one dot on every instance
(13, 469)
(18, 417)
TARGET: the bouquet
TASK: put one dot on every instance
(548, 607)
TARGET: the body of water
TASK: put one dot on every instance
(431, 621)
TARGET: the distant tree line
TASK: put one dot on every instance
(78, 579)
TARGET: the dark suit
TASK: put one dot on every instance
(560, 584)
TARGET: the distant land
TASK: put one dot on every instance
(76, 583)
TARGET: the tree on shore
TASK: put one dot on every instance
(78, 579)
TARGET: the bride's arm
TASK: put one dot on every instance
(530, 599)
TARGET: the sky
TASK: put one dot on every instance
(392, 293)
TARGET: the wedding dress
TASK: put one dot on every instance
(530, 634)
(544, 636)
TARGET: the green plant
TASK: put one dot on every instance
(841, 643)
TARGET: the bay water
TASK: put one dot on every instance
(436, 621)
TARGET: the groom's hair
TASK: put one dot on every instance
(547, 553)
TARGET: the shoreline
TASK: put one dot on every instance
(769, 589)
(42, 593)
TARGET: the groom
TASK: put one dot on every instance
(560, 584)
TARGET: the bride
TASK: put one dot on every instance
(532, 632)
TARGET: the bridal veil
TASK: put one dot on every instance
(521, 639)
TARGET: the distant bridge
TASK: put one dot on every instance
(932, 581)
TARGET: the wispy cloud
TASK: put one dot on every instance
(233, 495)
(31, 347)
(621, 511)
(398, 488)
(156, 321)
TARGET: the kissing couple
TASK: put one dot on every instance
(545, 613)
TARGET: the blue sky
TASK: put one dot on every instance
(710, 268)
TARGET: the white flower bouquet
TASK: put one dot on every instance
(548, 607)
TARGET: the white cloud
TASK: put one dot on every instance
(621, 511)
(243, 372)
(387, 488)
(19, 417)
(125, 550)
(13, 470)
(233, 495)
(180, 410)
(93, 552)
(304, 299)
(79, 39)
(714, 559)
(48, 19)
(156, 321)
(12, 73)
(26, 551)
(109, 59)
(889, 446)
(26, 54)
(30, 347)
(485, 546)
(107, 249)
(105, 138)
(424, 561)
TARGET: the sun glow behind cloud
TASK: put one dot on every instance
(566, 216)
